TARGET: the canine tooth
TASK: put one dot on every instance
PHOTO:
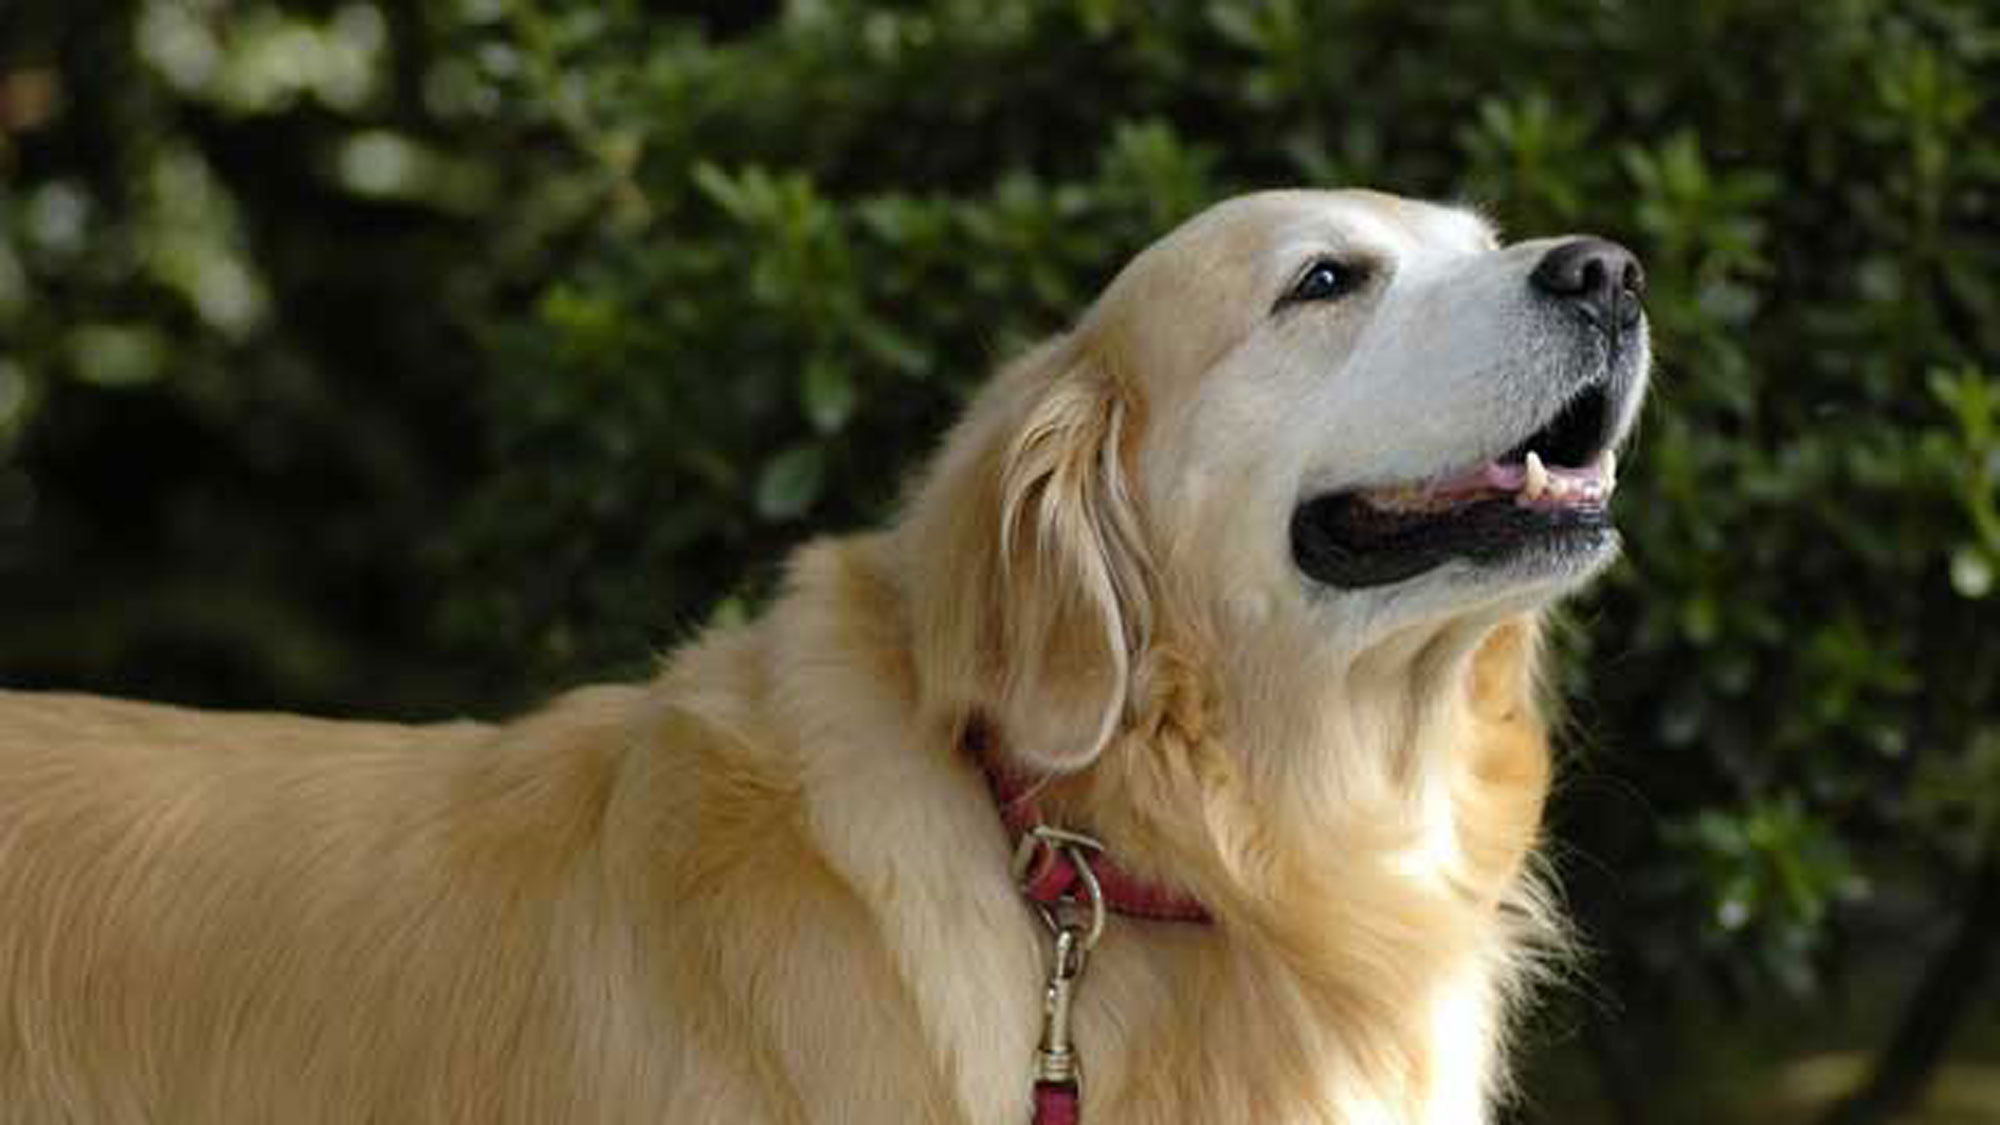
(1538, 477)
(1610, 468)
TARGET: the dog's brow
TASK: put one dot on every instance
(1350, 232)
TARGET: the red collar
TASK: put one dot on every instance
(1047, 873)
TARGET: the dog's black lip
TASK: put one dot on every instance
(1484, 532)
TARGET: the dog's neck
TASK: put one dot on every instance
(1355, 972)
(1374, 919)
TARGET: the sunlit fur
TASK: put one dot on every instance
(769, 886)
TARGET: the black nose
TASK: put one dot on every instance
(1603, 278)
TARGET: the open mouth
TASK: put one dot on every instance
(1553, 490)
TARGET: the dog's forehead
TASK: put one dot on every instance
(1241, 241)
(1370, 220)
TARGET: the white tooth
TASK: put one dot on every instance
(1538, 477)
(1610, 469)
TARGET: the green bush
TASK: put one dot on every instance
(370, 357)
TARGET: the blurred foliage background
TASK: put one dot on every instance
(400, 358)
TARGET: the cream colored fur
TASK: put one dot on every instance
(770, 886)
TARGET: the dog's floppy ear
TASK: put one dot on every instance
(1034, 604)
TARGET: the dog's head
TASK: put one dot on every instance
(1305, 434)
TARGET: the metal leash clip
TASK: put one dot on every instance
(1075, 925)
(1056, 1061)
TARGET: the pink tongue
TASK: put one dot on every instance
(1506, 478)
(1490, 476)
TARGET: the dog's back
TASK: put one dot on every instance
(195, 903)
(607, 911)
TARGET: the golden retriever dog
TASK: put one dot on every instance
(1241, 578)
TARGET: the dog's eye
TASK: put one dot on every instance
(1325, 280)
